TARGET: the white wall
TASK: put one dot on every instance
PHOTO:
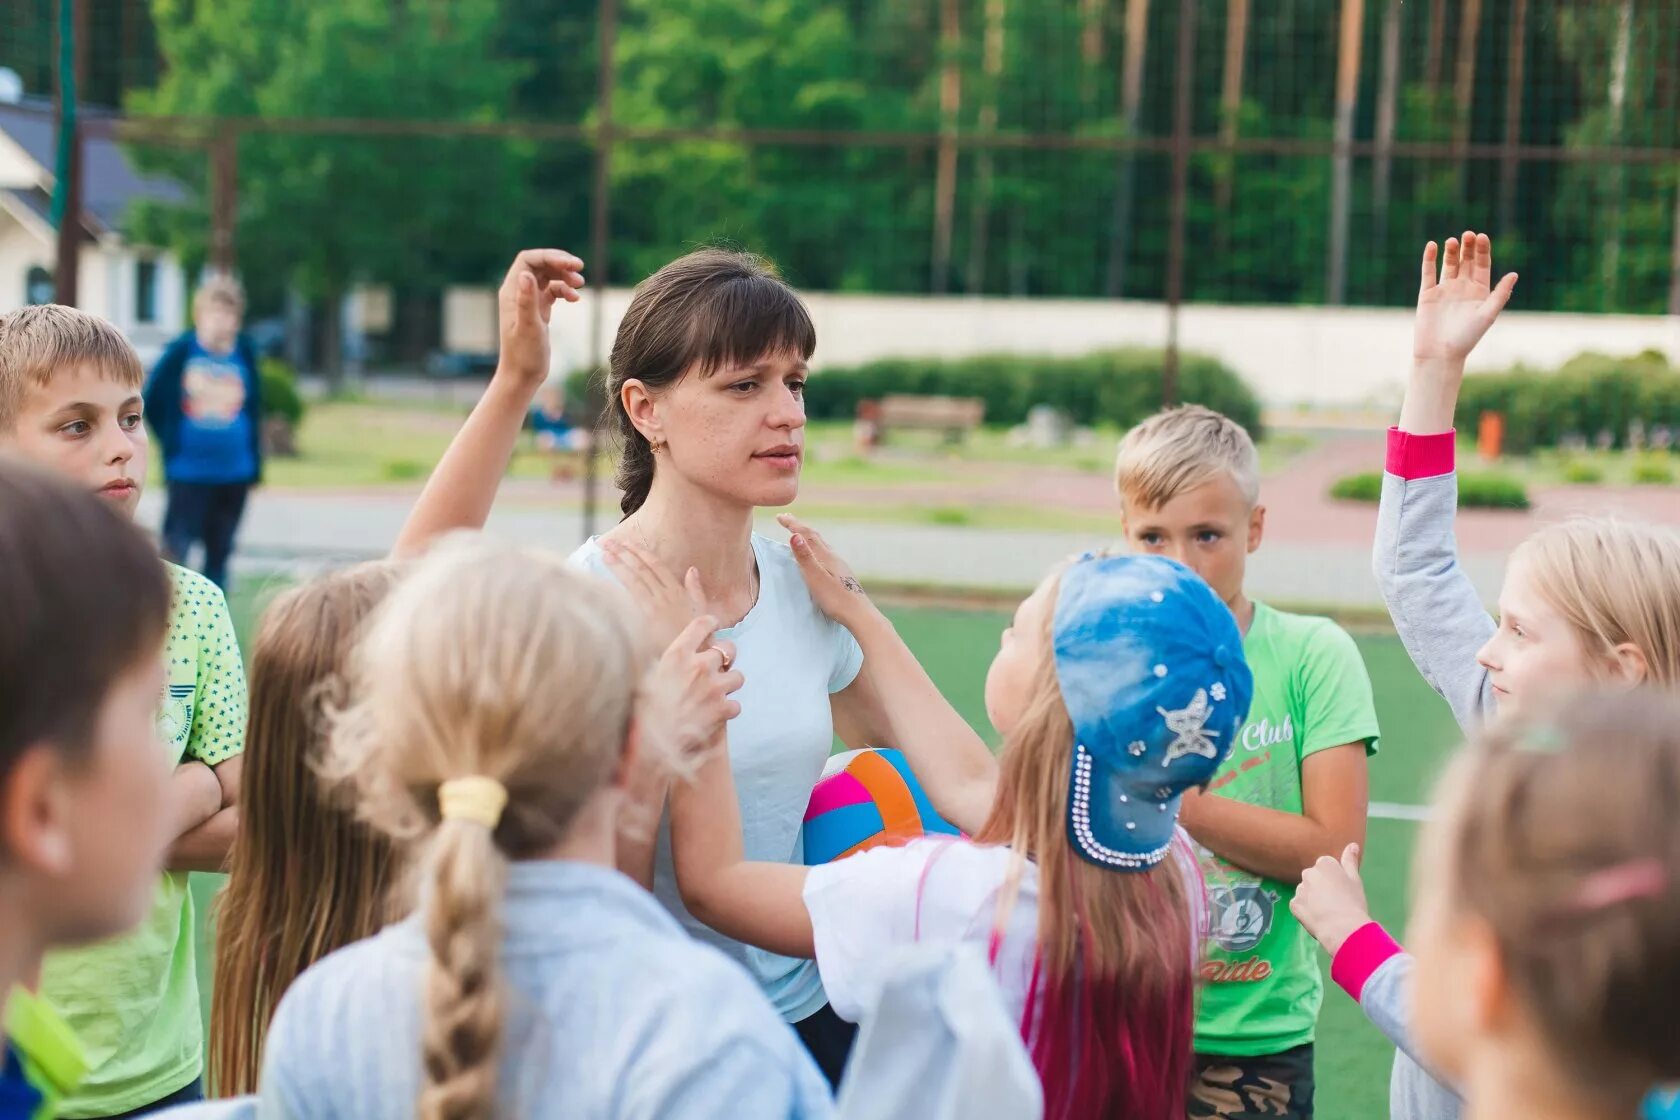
(1292, 356)
(106, 284)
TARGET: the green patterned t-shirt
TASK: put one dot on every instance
(133, 1002)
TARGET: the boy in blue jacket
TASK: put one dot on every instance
(204, 403)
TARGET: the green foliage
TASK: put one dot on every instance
(1475, 491)
(333, 210)
(1366, 486)
(1118, 387)
(1579, 472)
(1592, 395)
(279, 388)
(1491, 491)
(1654, 470)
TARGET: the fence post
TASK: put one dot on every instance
(224, 194)
(67, 191)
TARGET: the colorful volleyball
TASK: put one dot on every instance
(867, 798)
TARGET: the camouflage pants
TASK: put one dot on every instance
(1257, 1088)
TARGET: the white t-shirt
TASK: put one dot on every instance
(793, 658)
(935, 890)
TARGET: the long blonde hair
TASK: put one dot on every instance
(306, 877)
(1560, 835)
(1111, 1014)
(1615, 582)
(488, 661)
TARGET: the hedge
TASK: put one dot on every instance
(1475, 491)
(280, 396)
(1590, 395)
(1118, 387)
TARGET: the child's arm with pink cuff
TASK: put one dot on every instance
(1436, 610)
(1373, 969)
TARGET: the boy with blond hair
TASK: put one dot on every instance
(204, 402)
(1295, 787)
(70, 401)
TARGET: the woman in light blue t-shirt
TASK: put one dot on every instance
(706, 393)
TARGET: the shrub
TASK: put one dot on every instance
(279, 389)
(1475, 491)
(1582, 473)
(1118, 387)
(1491, 491)
(1589, 395)
(1653, 470)
(1365, 486)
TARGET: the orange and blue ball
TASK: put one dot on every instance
(867, 798)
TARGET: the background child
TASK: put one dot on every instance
(306, 877)
(1295, 789)
(1584, 603)
(494, 720)
(70, 401)
(1120, 685)
(1588, 600)
(204, 401)
(1547, 919)
(84, 814)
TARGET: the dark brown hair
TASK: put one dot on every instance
(712, 309)
(1560, 834)
(306, 877)
(84, 597)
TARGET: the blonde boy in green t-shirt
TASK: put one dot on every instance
(1294, 788)
(70, 401)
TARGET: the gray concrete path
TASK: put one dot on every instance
(307, 530)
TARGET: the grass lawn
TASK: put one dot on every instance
(1353, 1059)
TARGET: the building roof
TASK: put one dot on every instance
(110, 181)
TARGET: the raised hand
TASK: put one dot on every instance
(1330, 902)
(833, 588)
(534, 282)
(669, 604)
(687, 698)
(1456, 308)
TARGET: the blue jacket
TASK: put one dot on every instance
(162, 396)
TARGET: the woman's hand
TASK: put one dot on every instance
(833, 588)
(688, 695)
(669, 604)
(1330, 902)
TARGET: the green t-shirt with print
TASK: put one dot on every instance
(1261, 983)
(133, 1002)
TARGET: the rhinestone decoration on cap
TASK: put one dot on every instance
(1080, 811)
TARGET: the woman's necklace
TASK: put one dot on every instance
(752, 576)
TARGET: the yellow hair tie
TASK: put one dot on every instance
(476, 799)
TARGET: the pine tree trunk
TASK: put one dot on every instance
(1513, 117)
(980, 223)
(1388, 97)
(945, 175)
(1230, 103)
(1131, 109)
(1341, 185)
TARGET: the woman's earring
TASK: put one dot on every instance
(656, 445)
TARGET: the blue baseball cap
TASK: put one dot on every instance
(1151, 669)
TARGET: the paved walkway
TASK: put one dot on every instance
(1317, 551)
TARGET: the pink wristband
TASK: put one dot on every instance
(1365, 951)
(1413, 456)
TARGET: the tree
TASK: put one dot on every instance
(327, 211)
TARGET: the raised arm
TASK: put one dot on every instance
(1435, 608)
(463, 487)
(896, 695)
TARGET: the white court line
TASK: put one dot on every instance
(1394, 811)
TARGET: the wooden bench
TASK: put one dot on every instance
(954, 416)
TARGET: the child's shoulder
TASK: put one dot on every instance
(195, 601)
(1301, 632)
